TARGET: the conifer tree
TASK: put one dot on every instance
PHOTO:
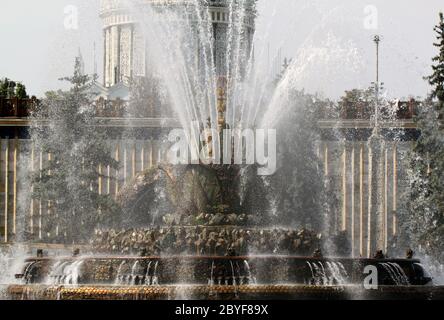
(425, 220)
(76, 149)
(10, 89)
(436, 80)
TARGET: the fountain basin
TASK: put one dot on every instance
(219, 271)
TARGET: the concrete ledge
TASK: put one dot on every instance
(103, 122)
(258, 292)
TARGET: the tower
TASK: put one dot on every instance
(233, 26)
(81, 62)
(123, 47)
(125, 53)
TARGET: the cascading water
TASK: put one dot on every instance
(155, 279)
(395, 272)
(148, 277)
(56, 273)
(312, 279)
(11, 260)
(211, 280)
(188, 59)
(250, 278)
(195, 50)
(400, 273)
(332, 273)
(73, 273)
(136, 274)
(120, 277)
(338, 274)
(133, 280)
(65, 272)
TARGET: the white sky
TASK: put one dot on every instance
(37, 49)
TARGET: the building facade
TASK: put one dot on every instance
(349, 160)
(346, 154)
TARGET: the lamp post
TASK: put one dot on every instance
(377, 40)
(376, 234)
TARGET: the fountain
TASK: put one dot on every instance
(206, 240)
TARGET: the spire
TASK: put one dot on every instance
(81, 62)
(95, 59)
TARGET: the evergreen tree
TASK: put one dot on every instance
(425, 221)
(20, 91)
(7, 88)
(10, 89)
(357, 103)
(298, 184)
(145, 98)
(436, 80)
(4, 87)
(68, 183)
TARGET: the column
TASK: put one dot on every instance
(361, 201)
(159, 153)
(326, 160)
(395, 189)
(114, 54)
(108, 58)
(100, 180)
(133, 161)
(344, 190)
(132, 52)
(125, 165)
(118, 76)
(49, 203)
(385, 221)
(31, 211)
(6, 189)
(40, 200)
(151, 153)
(142, 157)
(14, 189)
(117, 172)
(353, 201)
(369, 211)
(108, 179)
(105, 57)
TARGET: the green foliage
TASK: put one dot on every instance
(146, 100)
(4, 88)
(360, 103)
(20, 91)
(299, 186)
(10, 89)
(426, 205)
(436, 80)
(425, 220)
(356, 97)
(69, 182)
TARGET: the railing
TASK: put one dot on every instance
(17, 108)
(110, 109)
(22, 108)
(399, 110)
